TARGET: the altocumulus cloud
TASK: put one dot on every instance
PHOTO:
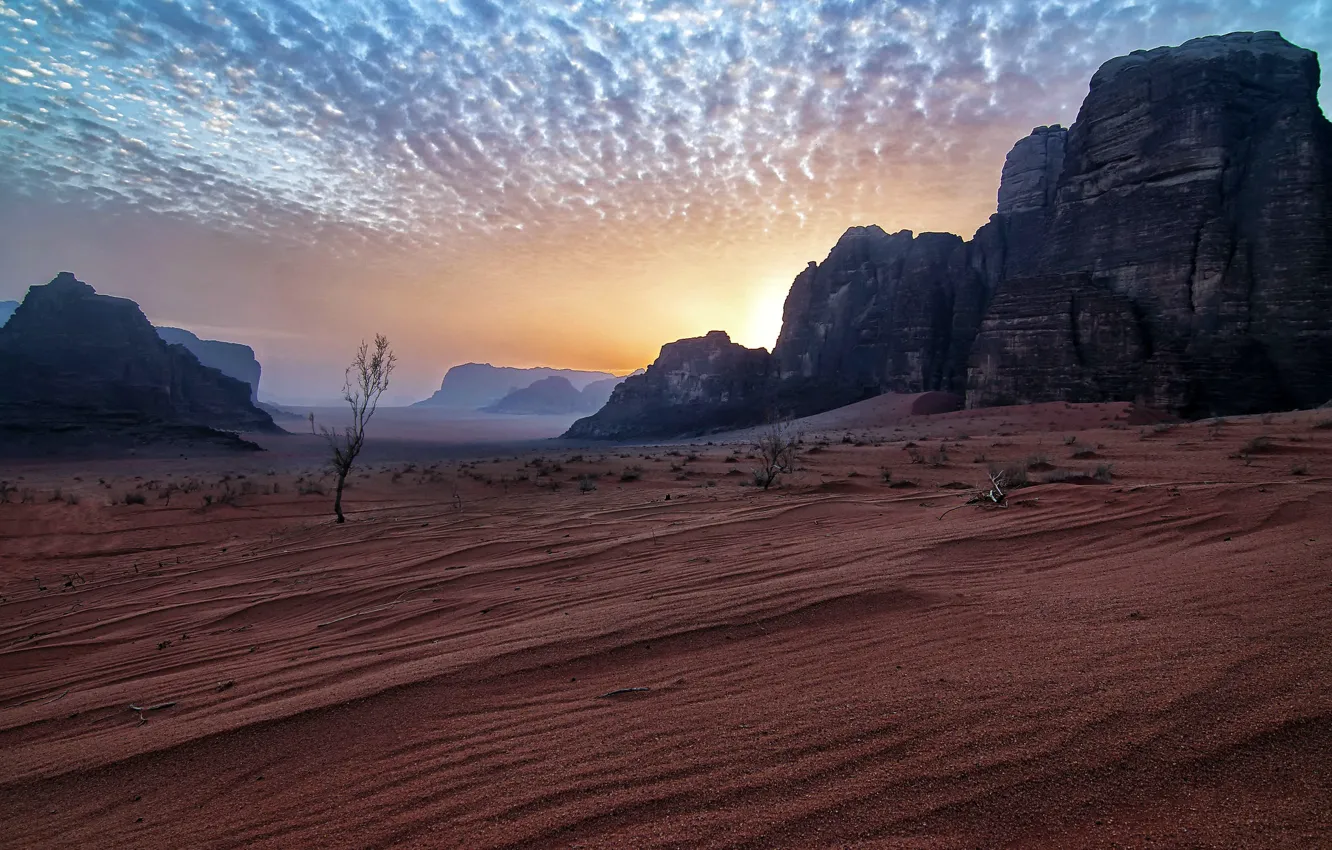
(421, 123)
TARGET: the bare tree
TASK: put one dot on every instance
(366, 379)
(777, 453)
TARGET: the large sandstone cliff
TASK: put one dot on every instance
(1197, 183)
(71, 357)
(1173, 246)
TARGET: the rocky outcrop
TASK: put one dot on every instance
(1174, 247)
(69, 356)
(694, 386)
(1197, 182)
(229, 358)
(472, 386)
(883, 313)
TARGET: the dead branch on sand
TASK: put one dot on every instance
(995, 497)
(142, 709)
(618, 691)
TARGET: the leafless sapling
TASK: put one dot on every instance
(366, 379)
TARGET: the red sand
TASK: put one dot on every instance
(1143, 663)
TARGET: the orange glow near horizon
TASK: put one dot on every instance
(535, 183)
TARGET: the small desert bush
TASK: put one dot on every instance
(1258, 445)
(1299, 468)
(1323, 424)
(133, 498)
(1056, 476)
(1081, 452)
(1039, 462)
(1104, 472)
(631, 473)
(886, 475)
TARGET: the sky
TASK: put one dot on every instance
(526, 182)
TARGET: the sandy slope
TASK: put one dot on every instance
(1143, 663)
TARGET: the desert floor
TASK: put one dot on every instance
(491, 653)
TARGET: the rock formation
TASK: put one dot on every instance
(695, 385)
(1197, 183)
(551, 395)
(71, 357)
(473, 386)
(7, 309)
(1062, 337)
(229, 358)
(1173, 246)
(881, 313)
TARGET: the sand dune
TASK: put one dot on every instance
(1139, 663)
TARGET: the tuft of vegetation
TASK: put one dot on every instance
(1037, 463)
(631, 473)
(135, 498)
(1258, 445)
(1299, 468)
(777, 452)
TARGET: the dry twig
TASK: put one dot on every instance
(995, 497)
(618, 691)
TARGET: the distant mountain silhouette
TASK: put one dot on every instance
(555, 395)
(7, 309)
(229, 358)
(473, 386)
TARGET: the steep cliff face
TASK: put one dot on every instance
(229, 358)
(1031, 171)
(1197, 182)
(1061, 338)
(1174, 246)
(695, 385)
(71, 356)
(881, 313)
